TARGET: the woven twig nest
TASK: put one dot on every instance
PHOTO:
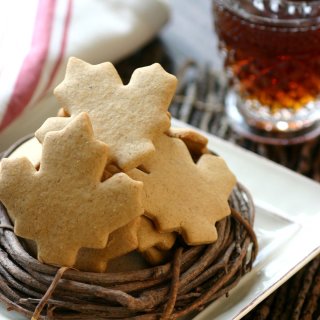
(196, 275)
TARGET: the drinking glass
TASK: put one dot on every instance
(272, 59)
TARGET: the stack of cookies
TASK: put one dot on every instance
(113, 176)
(114, 183)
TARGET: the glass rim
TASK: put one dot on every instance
(272, 22)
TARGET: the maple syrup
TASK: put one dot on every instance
(271, 59)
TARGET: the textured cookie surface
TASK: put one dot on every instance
(183, 196)
(156, 256)
(126, 117)
(121, 242)
(149, 236)
(64, 206)
(196, 142)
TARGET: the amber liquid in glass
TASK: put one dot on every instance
(279, 67)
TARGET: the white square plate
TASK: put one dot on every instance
(287, 223)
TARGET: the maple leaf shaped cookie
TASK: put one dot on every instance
(195, 142)
(121, 242)
(64, 206)
(149, 237)
(183, 196)
(126, 117)
(156, 256)
(154, 245)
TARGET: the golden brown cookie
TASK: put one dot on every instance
(62, 113)
(196, 142)
(121, 242)
(31, 149)
(64, 206)
(149, 236)
(126, 117)
(183, 196)
(156, 256)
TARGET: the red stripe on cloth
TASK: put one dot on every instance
(64, 39)
(33, 63)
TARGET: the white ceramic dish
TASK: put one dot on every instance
(287, 223)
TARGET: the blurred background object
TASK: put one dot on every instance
(38, 36)
(272, 59)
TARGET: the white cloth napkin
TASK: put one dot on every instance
(38, 36)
